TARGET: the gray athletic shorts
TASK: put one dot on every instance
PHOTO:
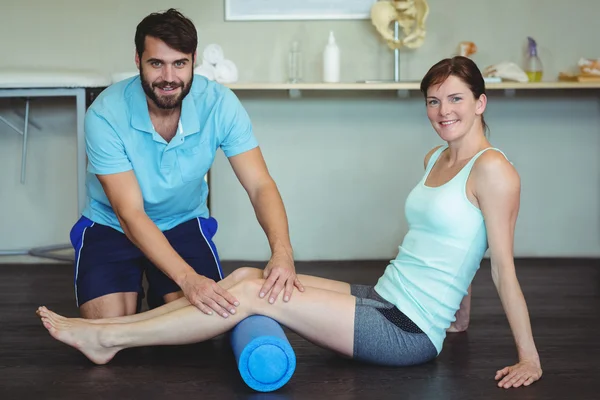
(384, 335)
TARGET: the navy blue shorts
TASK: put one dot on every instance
(106, 261)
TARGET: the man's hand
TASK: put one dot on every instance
(279, 273)
(207, 295)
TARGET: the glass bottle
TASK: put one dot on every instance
(295, 63)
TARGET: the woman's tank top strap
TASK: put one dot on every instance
(434, 157)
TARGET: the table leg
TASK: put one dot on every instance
(24, 150)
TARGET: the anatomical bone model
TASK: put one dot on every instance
(411, 16)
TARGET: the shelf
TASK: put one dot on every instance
(408, 86)
(402, 89)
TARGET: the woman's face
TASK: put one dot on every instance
(452, 108)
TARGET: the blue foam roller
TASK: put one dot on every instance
(264, 356)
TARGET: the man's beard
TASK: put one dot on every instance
(167, 102)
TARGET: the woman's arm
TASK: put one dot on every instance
(497, 189)
(463, 314)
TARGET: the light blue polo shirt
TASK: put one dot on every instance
(120, 137)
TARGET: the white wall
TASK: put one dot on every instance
(344, 165)
(345, 168)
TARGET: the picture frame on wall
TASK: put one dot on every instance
(282, 10)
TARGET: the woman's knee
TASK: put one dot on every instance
(247, 290)
(245, 273)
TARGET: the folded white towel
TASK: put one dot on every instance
(206, 69)
(226, 72)
(213, 53)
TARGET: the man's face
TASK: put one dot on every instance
(166, 74)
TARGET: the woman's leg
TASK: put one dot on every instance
(227, 283)
(306, 280)
(323, 317)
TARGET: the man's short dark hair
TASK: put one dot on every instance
(177, 31)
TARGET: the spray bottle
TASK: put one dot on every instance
(331, 61)
(533, 67)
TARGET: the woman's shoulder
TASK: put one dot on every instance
(493, 165)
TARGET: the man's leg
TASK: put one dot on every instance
(192, 240)
(109, 306)
(108, 271)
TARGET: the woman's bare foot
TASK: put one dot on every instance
(90, 321)
(127, 319)
(78, 333)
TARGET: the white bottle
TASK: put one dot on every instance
(331, 61)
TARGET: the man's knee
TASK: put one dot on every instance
(169, 297)
(109, 306)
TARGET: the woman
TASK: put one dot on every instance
(467, 201)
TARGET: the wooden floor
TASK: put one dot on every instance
(563, 298)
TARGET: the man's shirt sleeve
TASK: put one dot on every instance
(105, 149)
(236, 135)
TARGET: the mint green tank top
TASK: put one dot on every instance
(440, 254)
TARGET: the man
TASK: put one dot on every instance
(150, 141)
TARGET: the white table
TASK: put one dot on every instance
(28, 84)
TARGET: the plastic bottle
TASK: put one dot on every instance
(295, 63)
(533, 67)
(331, 61)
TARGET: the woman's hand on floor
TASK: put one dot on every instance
(523, 373)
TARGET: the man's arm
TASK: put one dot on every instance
(125, 196)
(241, 148)
(252, 172)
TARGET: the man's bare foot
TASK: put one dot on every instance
(78, 333)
